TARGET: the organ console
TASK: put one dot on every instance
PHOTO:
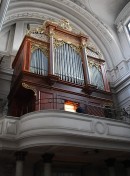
(55, 65)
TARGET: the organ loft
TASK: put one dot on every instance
(57, 67)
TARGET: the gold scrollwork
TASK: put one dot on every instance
(42, 48)
(37, 30)
(26, 86)
(65, 24)
(76, 48)
(110, 104)
(96, 64)
(58, 43)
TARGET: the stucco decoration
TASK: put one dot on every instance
(100, 127)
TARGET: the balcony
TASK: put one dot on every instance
(62, 128)
(58, 69)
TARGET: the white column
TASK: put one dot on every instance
(47, 159)
(47, 169)
(110, 163)
(19, 168)
(18, 36)
(20, 156)
(111, 171)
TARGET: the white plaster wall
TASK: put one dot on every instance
(4, 42)
(121, 21)
(124, 97)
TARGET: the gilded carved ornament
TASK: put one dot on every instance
(51, 32)
(58, 43)
(109, 104)
(83, 42)
(91, 46)
(38, 33)
(45, 50)
(93, 63)
(65, 24)
(26, 86)
(41, 33)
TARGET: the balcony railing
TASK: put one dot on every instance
(83, 107)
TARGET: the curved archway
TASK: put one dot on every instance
(79, 17)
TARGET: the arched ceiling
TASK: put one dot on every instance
(89, 17)
(106, 10)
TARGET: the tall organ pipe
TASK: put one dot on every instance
(68, 64)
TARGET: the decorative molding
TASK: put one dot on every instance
(26, 86)
(35, 129)
(3, 10)
(11, 127)
(91, 17)
(33, 15)
(44, 49)
(87, 22)
(38, 33)
(100, 127)
(58, 43)
(65, 24)
(92, 63)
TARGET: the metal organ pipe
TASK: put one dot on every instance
(72, 65)
(55, 62)
(65, 65)
(39, 63)
(68, 64)
(62, 62)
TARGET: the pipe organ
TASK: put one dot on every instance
(55, 65)
(68, 64)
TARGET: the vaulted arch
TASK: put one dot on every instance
(80, 18)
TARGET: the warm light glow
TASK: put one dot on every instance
(70, 106)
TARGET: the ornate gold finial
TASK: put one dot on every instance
(64, 24)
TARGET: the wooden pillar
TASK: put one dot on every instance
(88, 88)
(105, 80)
(51, 59)
(85, 61)
(27, 55)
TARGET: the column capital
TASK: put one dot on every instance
(126, 163)
(110, 162)
(47, 157)
(20, 155)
